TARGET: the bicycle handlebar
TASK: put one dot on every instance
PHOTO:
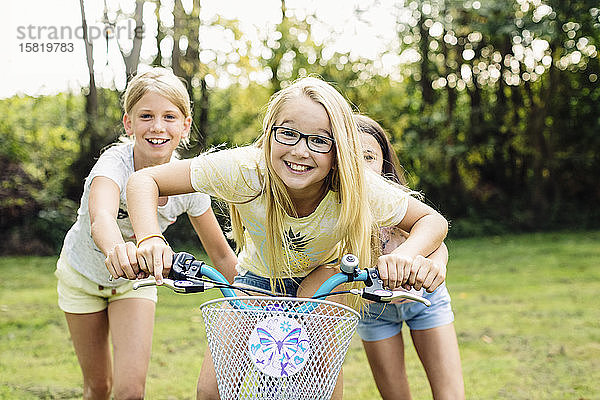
(187, 275)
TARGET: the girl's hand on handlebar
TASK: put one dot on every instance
(426, 274)
(394, 269)
(400, 271)
(121, 261)
(155, 258)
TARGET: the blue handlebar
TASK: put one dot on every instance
(186, 266)
(216, 276)
(337, 279)
(327, 287)
(187, 273)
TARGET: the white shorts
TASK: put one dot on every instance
(79, 295)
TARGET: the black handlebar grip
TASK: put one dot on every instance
(181, 265)
(185, 266)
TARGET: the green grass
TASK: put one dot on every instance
(526, 306)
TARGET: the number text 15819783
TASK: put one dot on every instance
(46, 47)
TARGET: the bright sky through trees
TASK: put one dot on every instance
(47, 69)
(46, 54)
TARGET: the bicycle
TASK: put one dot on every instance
(274, 346)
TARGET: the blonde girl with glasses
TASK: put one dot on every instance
(299, 197)
(102, 244)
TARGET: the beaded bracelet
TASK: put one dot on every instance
(157, 235)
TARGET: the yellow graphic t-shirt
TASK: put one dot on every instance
(234, 175)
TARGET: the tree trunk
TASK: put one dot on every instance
(273, 63)
(426, 88)
(452, 132)
(537, 141)
(202, 113)
(187, 66)
(133, 58)
(160, 35)
(89, 143)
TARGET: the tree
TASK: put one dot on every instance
(131, 57)
(90, 143)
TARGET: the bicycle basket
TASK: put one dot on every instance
(277, 347)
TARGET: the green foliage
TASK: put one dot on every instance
(42, 138)
(43, 144)
(502, 150)
(236, 113)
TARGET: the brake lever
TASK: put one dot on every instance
(151, 281)
(374, 289)
(403, 294)
(379, 296)
(178, 286)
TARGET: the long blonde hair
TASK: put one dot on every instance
(346, 179)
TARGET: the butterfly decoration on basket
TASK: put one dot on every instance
(279, 346)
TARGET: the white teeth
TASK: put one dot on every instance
(158, 141)
(297, 167)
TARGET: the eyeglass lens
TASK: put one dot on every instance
(290, 137)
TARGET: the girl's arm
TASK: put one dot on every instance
(143, 189)
(103, 204)
(215, 244)
(440, 256)
(427, 230)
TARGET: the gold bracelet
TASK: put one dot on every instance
(157, 235)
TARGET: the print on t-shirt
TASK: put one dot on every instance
(297, 244)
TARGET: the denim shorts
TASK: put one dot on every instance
(287, 286)
(381, 321)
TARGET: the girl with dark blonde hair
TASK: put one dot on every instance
(431, 328)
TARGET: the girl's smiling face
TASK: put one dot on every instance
(158, 126)
(302, 170)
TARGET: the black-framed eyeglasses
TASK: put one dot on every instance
(290, 137)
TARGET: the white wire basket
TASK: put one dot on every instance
(277, 347)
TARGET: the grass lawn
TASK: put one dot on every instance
(527, 312)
